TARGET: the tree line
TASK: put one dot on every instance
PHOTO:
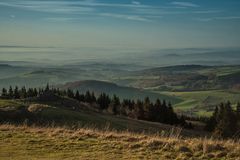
(159, 111)
(225, 121)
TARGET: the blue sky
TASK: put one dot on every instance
(120, 25)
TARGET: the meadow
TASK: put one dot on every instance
(31, 142)
(202, 103)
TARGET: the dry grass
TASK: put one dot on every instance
(24, 142)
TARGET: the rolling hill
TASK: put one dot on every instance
(186, 78)
(110, 88)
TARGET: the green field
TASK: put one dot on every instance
(202, 103)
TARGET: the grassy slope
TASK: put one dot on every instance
(24, 142)
(9, 104)
(84, 117)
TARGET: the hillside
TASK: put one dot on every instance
(65, 111)
(187, 78)
(110, 88)
(26, 142)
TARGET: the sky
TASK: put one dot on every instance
(118, 25)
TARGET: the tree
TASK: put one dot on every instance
(77, 96)
(93, 98)
(88, 97)
(47, 88)
(138, 110)
(35, 92)
(226, 125)
(147, 107)
(10, 92)
(30, 92)
(23, 93)
(70, 93)
(103, 101)
(212, 122)
(114, 105)
(4, 92)
(16, 93)
(172, 117)
(81, 98)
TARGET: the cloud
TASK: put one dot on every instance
(60, 7)
(61, 19)
(136, 2)
(135, 10)
(126, 17)
(218, 18)
(184, 4)
(64, 5)
(207, 11)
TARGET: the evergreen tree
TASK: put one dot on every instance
(35, 92)
(23, 93)
(93, 98)
(4, 93)
(77, 96)
(147, 107)
(47, 88)
(30, 92)
(138, 109)
(172, 117)
(115, 103)
(212, 122)
(88, 97)
(10, 92)
(226, 122)
(82, 98)
(70, 93)
(103, 101)
(16, 93)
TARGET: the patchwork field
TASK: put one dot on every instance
(202, 103)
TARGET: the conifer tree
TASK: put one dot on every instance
(139, 111)
(103, 101)
(93, 98)
(70, 93)
(4, 92)
(16, 93)
(226, 122)
(88, 97)
(47, 88)
(77, 96)
(115, 103)
(23, 92)
(10, 92)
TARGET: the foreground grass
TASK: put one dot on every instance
(23, 142)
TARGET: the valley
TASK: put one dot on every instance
(194, 90)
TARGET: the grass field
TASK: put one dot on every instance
(24, 142)
(203, 102)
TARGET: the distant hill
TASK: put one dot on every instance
(187, 78)
(110, 88)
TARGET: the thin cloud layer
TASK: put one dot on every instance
(134, 10)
